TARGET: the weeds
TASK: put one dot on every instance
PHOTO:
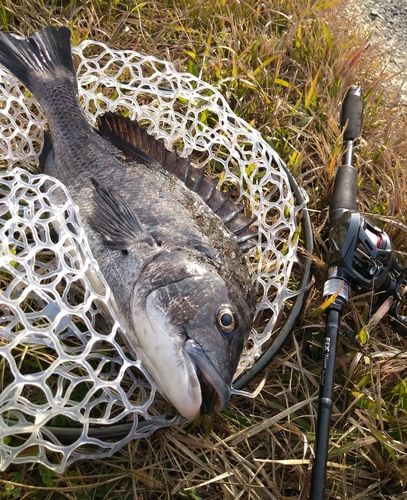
(284, 67)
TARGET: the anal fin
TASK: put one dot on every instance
(47, 153)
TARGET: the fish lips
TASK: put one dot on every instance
(215, 391)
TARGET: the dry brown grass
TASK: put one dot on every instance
(284, 67)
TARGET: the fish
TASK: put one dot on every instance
(168, 242)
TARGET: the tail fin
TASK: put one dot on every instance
(40, 55)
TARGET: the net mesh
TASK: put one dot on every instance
(66, 372)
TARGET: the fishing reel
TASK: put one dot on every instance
(363, 257)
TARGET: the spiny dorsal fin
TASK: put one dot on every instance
(136, 143)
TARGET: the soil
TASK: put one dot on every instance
(386, 22)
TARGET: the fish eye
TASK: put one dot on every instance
(226, 319)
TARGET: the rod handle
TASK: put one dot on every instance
(344, 193)
(352, 114)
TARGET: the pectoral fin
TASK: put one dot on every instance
(115, 220)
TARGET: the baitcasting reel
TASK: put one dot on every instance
(362, 256)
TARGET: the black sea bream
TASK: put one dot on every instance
(181, 285)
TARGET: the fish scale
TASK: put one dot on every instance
(181, 284)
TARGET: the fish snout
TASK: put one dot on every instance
(216, 392)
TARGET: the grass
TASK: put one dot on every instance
(284, 67)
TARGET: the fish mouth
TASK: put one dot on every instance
(215, 391)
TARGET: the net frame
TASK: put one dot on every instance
(189, 115)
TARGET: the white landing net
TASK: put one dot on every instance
(69, 388)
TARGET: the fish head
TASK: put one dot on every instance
(193, 328)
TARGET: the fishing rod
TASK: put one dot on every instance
(362, 259)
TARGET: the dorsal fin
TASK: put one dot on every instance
(137, 144)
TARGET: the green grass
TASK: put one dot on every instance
(284, 67)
